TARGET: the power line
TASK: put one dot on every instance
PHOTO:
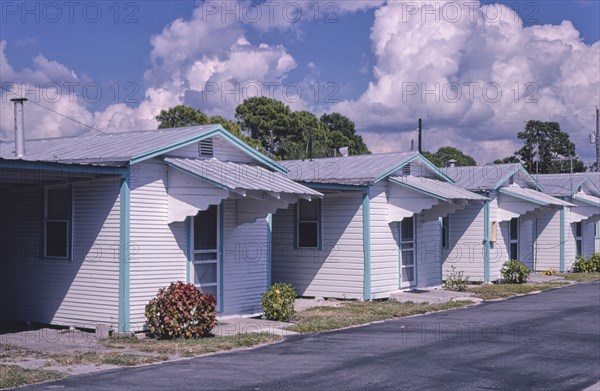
(61, 114)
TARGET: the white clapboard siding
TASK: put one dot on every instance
(570, 248)
(466, 243)
(384, 246)
(548, 241)
(81, 292)
(245, 257)
(158, 249)
(337, 270)
(429, 266)
(588, 237)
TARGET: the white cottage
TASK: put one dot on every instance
(570, 232)
(91, 227)
(377, 229)
(482, 238)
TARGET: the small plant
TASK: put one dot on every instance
(278, 302)
(456, 281)
(549, 272)
(587, 265)
(515, 272)
(181, 311)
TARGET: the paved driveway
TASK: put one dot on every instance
(549, 341)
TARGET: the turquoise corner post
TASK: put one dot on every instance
(366, 205)
(486, 241)
(124, 254)
(562, 239)
(221, 255)
(269, 248)
(189, 252)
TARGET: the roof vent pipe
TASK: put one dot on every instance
(451, 163)
(19, 127)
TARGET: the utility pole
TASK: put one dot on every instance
(420, 143)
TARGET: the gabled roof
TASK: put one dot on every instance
(533, 196)
(565, 185)
(118, 149)
(354, 170)
(441, 190)
(239, 176)
(488, 177)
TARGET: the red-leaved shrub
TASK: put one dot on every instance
(180, 310)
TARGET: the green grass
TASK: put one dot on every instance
(191, 347)
(503, 291)
(14, 376)
(580, 277)
(319, 319)
(94, 358)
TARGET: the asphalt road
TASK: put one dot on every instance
(548, 341)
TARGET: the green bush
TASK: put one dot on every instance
(456, 281)
(515, 272)
(278, 302)
(589, 265)
(181, 311)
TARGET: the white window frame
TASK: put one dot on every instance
(216, 261)
(317, 222)
(69, 222)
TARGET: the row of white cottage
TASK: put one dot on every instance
(91, 227)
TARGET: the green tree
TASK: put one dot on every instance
(444, 154)
(266, 120)
(342, 133)
(181, 116)
(546, 149)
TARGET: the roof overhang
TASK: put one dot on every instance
(261, 190)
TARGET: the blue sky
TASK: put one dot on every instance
(371, 60)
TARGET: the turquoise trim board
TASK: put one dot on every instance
(221, 253)
(562, 239)
(62, 167)
(269, 248)
(332, 186)
(366, 206)
(124, 255)
(486, 241)
(189, 250)
(217, 131)
(399, 256)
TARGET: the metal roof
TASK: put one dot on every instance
(438, 189)
(103, 148)
(569, 184)
(239, 176)
(350, 170)
(534, 196)
(487, 177)
(588, 199)
(118, 149)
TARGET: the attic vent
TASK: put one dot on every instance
(511, 180)
(406, 169)
(205, 148)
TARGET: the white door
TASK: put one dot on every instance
(407, 251)
(206, 251)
